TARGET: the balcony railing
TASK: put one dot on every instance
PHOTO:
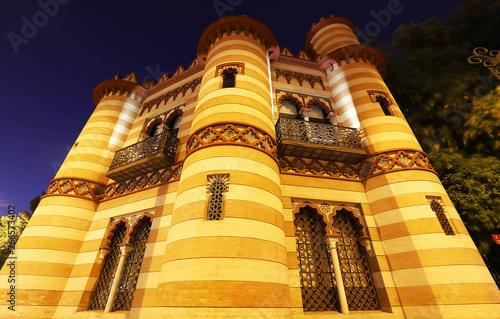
(318, 141)
(152, 154)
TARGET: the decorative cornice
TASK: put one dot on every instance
(394, 161)
(170, 94)
(235, 134)
(118, 87)
(382, 163)
(241, 25)
(168, 81)
(359, 53)
(300, 77)
(98, 192)
(75, 187)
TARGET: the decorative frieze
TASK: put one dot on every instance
(236, 134)
(98, 192)
(300, 77)
(171, 94)
(382, 163)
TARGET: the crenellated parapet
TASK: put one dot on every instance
(320, 41)
(237, 25)
(121, 87)
(356, 53)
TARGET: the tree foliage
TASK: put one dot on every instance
(35, 201)
(429, 75)
(11, 227)
(473, 184)
(453, 115)
(483, 128)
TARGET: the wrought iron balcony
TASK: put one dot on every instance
(318, 141)
(152, 154)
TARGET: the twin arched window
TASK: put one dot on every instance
(318, 281)
(173, 126)
(115, 289)
(315, 112)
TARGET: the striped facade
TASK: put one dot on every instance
(243, 223)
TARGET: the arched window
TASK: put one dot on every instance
(441, 216)
(174, 124)
(156, 129)
(316, 112)
(319, 288)
(384, 104)
(131, 270)
(108, 271)
(216, 189)
(229, 78)
(115, 290)
(358, 282)
(288, 107)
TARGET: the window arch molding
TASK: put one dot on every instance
(298, 103)
(326, 108)
(361, 227)
(385, 101)
(164, 118)
(112, 230)
(135, 224)
(329, 211)
(324, 216)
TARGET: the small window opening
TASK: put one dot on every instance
(216, 199)
(155, 130)
(384, 104)
(441, 216)
(288, 107)
(317, 112)
(229, 79)
(174, 125)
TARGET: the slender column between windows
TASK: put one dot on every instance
(332, 243)
(125, 249)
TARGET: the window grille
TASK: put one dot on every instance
(108, 271)
(130, 274)
(216, 192)
(441, 216)
(358, 282)
(319, 287)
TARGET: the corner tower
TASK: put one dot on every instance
(436, 268)
(225, 247)
(49, 252)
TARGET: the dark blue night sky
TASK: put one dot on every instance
(54, 52)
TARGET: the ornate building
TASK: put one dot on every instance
(253, 184)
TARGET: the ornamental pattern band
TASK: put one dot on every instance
(99, 192)
(373, 166)
(230, 133)
(239, 134)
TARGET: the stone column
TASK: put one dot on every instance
(332, 243)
